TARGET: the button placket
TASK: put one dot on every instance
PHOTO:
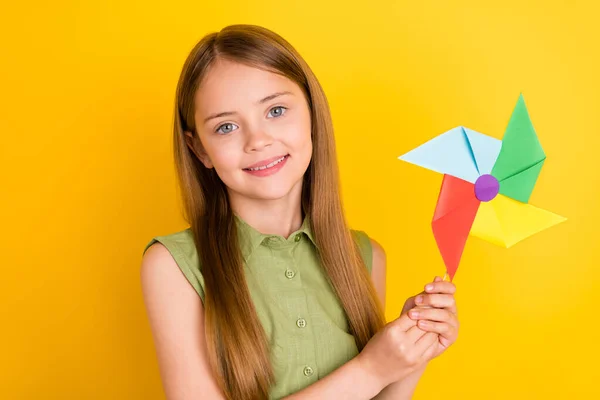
(292, 254)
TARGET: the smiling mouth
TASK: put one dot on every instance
(270, 165)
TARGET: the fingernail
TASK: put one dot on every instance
(414, 314)
(429, 287)
(419, 299)
(423, 322)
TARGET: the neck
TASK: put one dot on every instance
(280, 216)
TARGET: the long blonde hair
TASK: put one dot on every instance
(234, 334)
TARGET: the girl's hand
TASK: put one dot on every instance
(435, 311)
(395, 351)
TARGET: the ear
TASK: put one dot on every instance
(196, 147)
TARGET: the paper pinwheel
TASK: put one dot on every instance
(486, 186)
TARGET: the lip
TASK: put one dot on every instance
(265, 162)
(262, 173)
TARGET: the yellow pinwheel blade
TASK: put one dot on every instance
(504, 221)
(486, 225)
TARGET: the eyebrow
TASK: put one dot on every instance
(261, 101)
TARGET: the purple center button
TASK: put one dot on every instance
(486, 187)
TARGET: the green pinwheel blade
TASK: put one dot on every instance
(521, 156)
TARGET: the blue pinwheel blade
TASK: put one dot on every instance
(448, 153)
(485, 150)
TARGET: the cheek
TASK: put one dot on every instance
(300, 138)
(307, 146)
(224, 156)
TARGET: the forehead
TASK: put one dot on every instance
(228, 86)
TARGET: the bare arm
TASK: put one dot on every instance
(176, 317)
(350, 382)
(405, 388)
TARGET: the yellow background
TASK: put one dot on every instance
(87, 178)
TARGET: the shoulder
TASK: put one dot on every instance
(379, 255)
(161, 257)
(379, 270)
(182, 239)
(370, 248)
(174, 253)
(364, 245)
(159, 270)
(376, 260)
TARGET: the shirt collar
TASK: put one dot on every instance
(249, 238)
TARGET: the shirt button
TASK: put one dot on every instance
(308, 371)
(297, 238)
(301, 323)
(289, 274)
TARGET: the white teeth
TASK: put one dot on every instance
(268, 165)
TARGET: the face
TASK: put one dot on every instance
(254, 129)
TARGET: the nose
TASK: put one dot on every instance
(257, 139)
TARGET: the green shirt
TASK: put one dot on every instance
(302, 317)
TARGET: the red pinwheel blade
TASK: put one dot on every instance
(454, 215)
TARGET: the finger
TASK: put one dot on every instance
(437, 279)
(432, 314)
(453, 308)
(442, 328)
(414, 334)
(425, 342)
(410, 302)
(404, 322)
(430, 351)
(436, 300)
(440, 287)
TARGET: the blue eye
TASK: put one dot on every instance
(280, 110)
(277, 108)
(225, 125)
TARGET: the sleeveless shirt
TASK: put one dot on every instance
(303, 319)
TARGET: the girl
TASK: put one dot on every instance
(268, 293)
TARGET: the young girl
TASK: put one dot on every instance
(268, 293)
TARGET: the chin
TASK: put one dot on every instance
(270, 190)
